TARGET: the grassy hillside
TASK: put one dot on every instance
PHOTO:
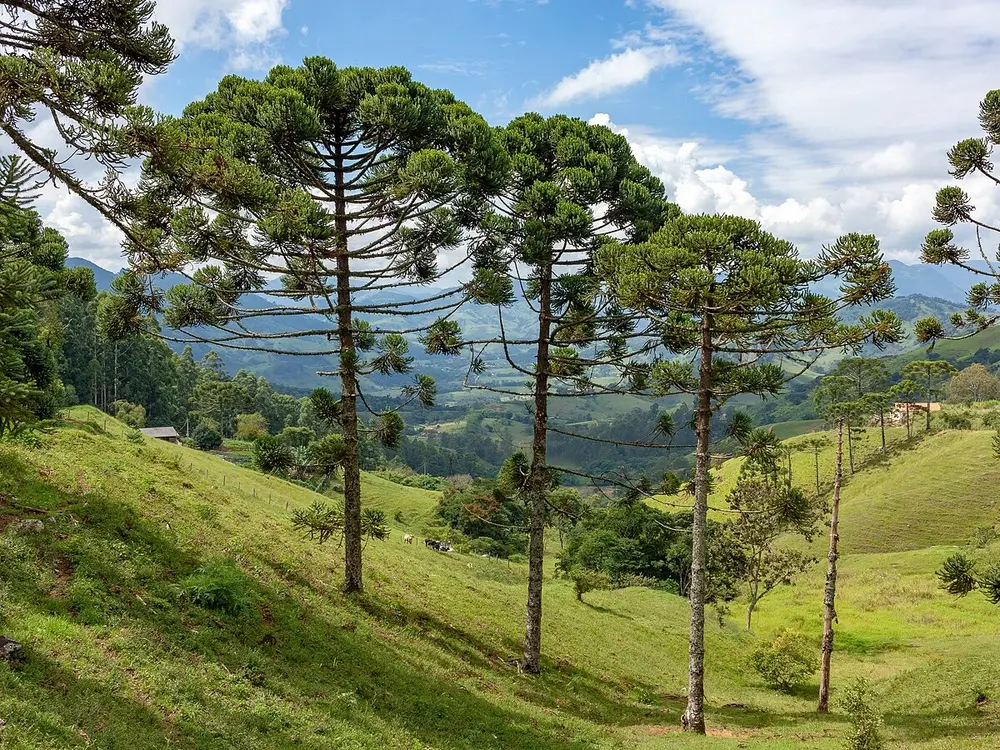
(119, 656)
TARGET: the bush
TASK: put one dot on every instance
(785, 661)
(134, 436)
(957, 421)
(251, 426)
(272, 456)
(206, 437)
(860, 703)
(131, 414)
(585, 581)
(218, 585)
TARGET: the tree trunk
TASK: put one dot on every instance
(538, 483)
(928, 428)
(830, 592)
(850, 449)
(695, 713)
(816, 457)
(348, 393)
(881, 422)
(908, 433)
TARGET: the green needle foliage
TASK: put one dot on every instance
(971, 157)
(573, 188)
(931, 374)
(740, 299)
(349, 184)
(79, 65)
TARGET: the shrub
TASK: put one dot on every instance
(785, 661)
(272, 456)
(957, 421)
(218, 585)
(251, 426)
(585, 581)
(131, 414)
(133, 436)
(860, 703)
(206, 437)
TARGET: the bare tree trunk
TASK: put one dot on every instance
(850, 449)
(908, 433)
(348, 394)
(538, 483)
(694, 716)
(816, 458)
(881, 421)
(830, 591)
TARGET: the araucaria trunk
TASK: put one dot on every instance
(348, 396)
(694, 716)
(830, 591)
(538, 483)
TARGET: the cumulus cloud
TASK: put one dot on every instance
(619, 71)
(699, 180)
(244, 28)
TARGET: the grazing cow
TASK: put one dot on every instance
(432, 543)
(408, 539)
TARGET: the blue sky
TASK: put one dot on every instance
(815, 117)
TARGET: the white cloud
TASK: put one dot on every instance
(621, 70)
(698, 179)
(244, 28)
(843, 70)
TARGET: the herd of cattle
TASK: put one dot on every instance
(432, 543)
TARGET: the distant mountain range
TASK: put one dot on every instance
(921, 291)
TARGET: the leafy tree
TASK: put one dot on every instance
(206, 437)
(907, 392)
(251, 426)
(573, 188)
(930, 373)
(785, 660)
(767, 511)
(131, 414)
(740, 298)
(222, 400)
(297, 437)
(972, 384)
(585, 581)
(349, 184)
(79, 65)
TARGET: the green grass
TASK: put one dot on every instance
(119, 657)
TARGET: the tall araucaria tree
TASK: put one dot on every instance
(79, 65)
(573, 188)
(970, 157)
(931, 374)
(833, 400)
(350, 185)
(866, 375)
(735, 303)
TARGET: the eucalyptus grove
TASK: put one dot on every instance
(739, 299)
(354, 187)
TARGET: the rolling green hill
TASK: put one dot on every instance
(118, 655)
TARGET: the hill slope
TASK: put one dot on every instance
(118, 656)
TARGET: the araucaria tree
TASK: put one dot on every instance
(931, 374)
(971, 157)
(80, 65)
(349, 184)
(735, 302)
(833, 400)
(573, 188)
